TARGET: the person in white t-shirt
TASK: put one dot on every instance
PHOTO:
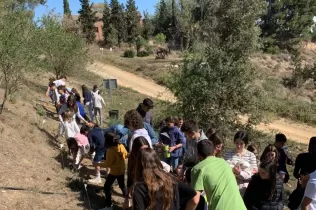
(97, 102)
(60, 82)
(134, 122)
(309, 200)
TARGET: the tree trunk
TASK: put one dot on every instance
(5, 97)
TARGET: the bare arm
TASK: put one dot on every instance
(193, 203)
(305, 203)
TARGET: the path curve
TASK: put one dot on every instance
(298, 132)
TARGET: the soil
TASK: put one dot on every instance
(298, 132)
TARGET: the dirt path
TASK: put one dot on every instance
(126, 79)
(298, 132)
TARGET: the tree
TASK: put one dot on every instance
(163, 19)
(87, 19)
(219, 83)
(147, 28)
(117, 20)
(286, 22)
(67, 10)
(17, 49)
(107, 26)
(132, 21)
(64, 53)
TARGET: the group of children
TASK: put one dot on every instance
(181, 167)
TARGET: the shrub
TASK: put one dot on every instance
(129, 54)
(160, 39)
(273, 50)
(142, 53)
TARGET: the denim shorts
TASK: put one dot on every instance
(99, 154)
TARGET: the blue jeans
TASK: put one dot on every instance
(172, 161)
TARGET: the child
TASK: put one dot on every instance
(97, 145)
(172, 136)
(81, 109)
(97, 102)
(80, 147)
(63, 95)
(69, 125)
(115, 160)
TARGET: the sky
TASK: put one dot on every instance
(57, 6)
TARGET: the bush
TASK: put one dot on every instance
(142, 53)
(273, 50)
(129, 54)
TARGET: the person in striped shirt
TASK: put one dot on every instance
(242, 161)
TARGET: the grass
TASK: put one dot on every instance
(123, 99)
(148, 67)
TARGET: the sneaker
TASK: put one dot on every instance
(106, 208)
(96, 180)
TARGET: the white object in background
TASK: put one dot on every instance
(101, 49)
(111, 49)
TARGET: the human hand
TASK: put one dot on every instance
(236, 170)
(47, 93)
(171, 149)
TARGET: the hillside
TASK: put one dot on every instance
(31, 157)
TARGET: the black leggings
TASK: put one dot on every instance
(108, 184)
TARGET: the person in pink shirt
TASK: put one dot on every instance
(79, 146)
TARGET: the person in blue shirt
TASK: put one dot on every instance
(172, 136)
(97, 144)
(81, 109)
(124, 132)
(120, 130)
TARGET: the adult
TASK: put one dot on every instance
(144, 110)
(265, 190)
(309, 201)
(243, 162)
(134, 122)
(87, 100)
(284, 159)
(155, 189)
(214, 176)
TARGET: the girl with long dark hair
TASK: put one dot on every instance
(265, 190)
(155, 189)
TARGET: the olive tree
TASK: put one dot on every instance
(18, 54)
(62, 52)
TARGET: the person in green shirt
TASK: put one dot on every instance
(215, 177)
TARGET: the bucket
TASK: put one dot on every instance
(114, 114)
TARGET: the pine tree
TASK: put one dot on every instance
(107, 27)
(220, 81)
(286, 22)
(117, 20)
(87, 19)
(67, 10)
(147, 26)
(132, 21)
(163, 19)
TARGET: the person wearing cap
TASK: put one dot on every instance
(144, 110)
